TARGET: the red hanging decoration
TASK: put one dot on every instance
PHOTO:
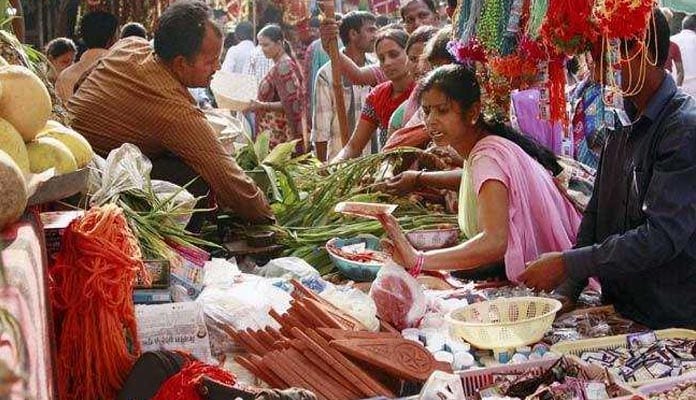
(569, 26)
(184, 385)
(556, 86)
(624, 19)
(520, 72)
(532, 50)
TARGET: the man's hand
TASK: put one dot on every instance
(328, 31)
(546, 273)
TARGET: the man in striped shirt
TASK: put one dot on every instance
(137, 95)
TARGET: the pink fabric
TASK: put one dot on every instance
(542, 220)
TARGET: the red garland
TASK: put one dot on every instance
(625, 19)
(521, 72)
(184, 385)
(556, 85)
(569, 27)
(532, 50)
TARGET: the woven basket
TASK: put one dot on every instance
(233, 91)
(504, 323)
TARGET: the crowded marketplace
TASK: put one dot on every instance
(347, 199)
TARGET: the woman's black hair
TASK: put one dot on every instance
(459, 84)
(421, 35)
(436, 48)
(275, 33)
(399, 36)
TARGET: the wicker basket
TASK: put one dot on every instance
(504, 323)
(233, 91)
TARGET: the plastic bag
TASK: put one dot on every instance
(353, 302)
(245, 304)
(126, 169)
(399, 298)
(240, 305)
(439, 304)
(287, 268)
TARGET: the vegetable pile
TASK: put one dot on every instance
(306, 192)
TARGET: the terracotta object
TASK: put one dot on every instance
(260, 373)
(398, 357)
(373, 384)
(348, 372)
(336, 334)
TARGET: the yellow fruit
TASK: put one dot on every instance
(25, 102)
(14, 191)
(46, 152)
(51, 124)
(11, 143)
(78, 145)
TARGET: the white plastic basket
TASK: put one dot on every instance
(504, 323)
(233, 91)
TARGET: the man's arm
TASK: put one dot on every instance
(670, 207)
(369, 75)
(192, 139)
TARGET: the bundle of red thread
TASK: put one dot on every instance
(92, 286)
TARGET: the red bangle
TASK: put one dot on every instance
(420, 260)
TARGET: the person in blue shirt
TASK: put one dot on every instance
(638, 234)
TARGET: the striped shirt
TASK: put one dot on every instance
(65, 84)
(131, 97)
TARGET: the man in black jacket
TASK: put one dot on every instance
(638, 234)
